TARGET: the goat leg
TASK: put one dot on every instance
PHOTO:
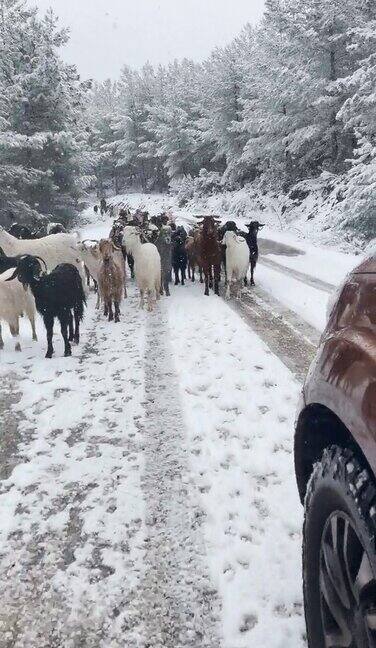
(77, 326)
(130, 260)
(117, 312)
(64, 321)
(15, 331)
(70, 327)
(217, 278)
(32, 322)
(150, 300)
(110, 312)
(166, 286)
(228, 290)
(1, 339)
(253, 266)
(49, 324)
(206, 284)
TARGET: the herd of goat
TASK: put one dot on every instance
(52, 274)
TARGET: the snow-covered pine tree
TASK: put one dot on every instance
(222, 122)
(129, 127)
(292, 120)
(41, 106)
(102, 112)
(359, 117)
(173, 120)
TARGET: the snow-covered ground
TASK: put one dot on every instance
(239, 402)
(76, 513)
(150, 498)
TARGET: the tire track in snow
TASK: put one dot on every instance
(319, 284)
(286, 334)
(181, 608)
(238, 404)
(9, 434)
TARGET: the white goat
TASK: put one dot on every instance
(14, 302)
(91, 258)
(237, 261)
(147, 266)
(53, 249)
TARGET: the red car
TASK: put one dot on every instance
(335, 465)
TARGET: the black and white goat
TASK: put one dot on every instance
(56, 294)
(8, 262)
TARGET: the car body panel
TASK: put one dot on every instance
(342, 376)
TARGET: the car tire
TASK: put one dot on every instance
(339, 564)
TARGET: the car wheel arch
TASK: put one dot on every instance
(317, 428)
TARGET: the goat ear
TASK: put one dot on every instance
(14, 275)
(261, 225)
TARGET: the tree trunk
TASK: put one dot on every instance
(333, 120)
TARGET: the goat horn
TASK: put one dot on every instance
(116, 247)
(40, 259)
(14, 275)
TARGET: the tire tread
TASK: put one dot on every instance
(344, 466)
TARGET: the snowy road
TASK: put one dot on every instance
(148, 497)
(144, 509)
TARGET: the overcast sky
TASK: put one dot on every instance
(105, 34)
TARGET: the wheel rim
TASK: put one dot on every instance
(347, 587)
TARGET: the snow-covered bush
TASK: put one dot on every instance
(208, 183)
(183, 188)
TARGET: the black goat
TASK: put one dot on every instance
(56, 295)
(116, 236)
(179, 254)
(251, 238)
(7, 262)
(21, 231)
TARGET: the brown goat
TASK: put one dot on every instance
(191, 246)
(111, 279)
(210, 254)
